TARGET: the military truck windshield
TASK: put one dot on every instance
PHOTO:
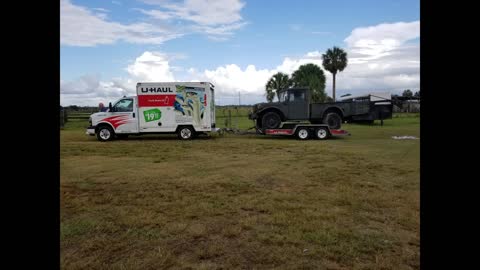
(283, 96)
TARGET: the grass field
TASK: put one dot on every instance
(242, 202)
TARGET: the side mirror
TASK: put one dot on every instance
(110, 109)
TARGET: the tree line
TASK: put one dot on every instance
(310, 75)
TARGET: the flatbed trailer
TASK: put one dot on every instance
(305, 131)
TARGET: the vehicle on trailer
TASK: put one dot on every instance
(184, 108)
(295, 105)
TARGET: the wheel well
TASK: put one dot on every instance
(180, 126)
(280, 113)
(103, 124)
(335, 110)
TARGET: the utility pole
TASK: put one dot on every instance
(239, 98)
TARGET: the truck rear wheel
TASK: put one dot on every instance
(271, 120)
(303, 133)
(321, 133)
(185, 133)
(105, 133)
(333, 120)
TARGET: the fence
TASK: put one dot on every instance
(407, 107)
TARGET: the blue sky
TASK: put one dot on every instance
(106, 46)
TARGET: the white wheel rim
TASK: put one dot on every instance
(105, 134)
(303, 133)
(185, 133)
(321, 133)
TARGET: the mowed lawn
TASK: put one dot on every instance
(242, 202)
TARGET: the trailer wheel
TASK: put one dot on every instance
(303, 133)
(105, 133)
(321, 133)
(271, 120)
(185, 133)
(333, 120)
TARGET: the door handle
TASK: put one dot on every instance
(133, 115)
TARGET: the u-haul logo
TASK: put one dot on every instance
(156, 90)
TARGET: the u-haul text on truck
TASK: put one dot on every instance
(184, 108)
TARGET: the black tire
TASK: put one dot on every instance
(105, 133)
(322, 133)
(271, 120)
(302, 133)
(333, 120)
(185, 133)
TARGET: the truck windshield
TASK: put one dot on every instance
(124, 105)
(283, 96)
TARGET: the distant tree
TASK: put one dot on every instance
(329, 99)
(334, 60)
(407, 93)
(277, 82)
(73, 107)
(417, 94)
(313, 77)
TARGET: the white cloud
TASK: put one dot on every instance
(379, 60)
(90, 89)
(202, 12)
(151, 66)
(81, 26)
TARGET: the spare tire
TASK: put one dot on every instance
(333, 120)
(271, 120)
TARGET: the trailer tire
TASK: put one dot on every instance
(185, 133)
(333, 120)
(302, 133)
(322, 133)
(271, 120)
(105, 133)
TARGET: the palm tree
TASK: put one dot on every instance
(277, 82)
(334, 60)
(311, 76)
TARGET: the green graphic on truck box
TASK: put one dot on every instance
(152, 115)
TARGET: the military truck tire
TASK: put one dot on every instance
(333, 120)
(271, 120)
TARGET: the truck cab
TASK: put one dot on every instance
(293, 104)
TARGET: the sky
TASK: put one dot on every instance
(107, 46)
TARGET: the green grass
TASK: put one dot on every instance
(153, 202)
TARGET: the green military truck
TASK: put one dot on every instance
(295, 105)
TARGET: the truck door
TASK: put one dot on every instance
(298, 107)
(123, 116)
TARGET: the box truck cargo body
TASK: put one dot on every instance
(185, 108)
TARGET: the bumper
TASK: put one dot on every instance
(90, 130)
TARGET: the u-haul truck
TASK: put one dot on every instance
(184, 108)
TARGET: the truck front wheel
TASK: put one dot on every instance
(333, 120)
(105, 133)
(271, 120)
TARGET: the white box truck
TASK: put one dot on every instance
(184, 108)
